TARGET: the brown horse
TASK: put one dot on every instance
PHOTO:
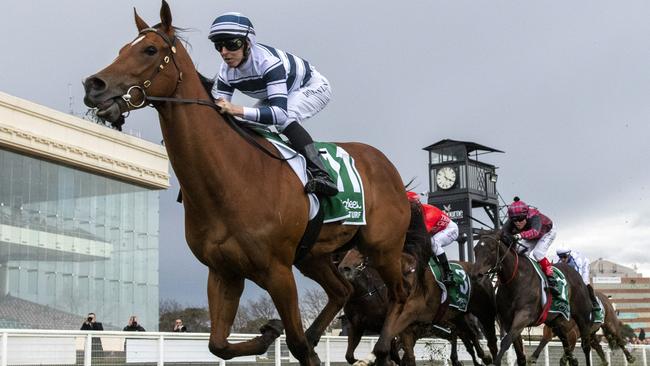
(611, 330)
(519, 297)
(245, 211)
(368, 305)
(423, 302)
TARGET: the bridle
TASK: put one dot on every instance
(128, 98)
(498, 265)
(369, 292)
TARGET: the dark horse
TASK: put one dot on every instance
(611, 328)
(423, 304)
(518, 297)
(246, 211)
(367, 308)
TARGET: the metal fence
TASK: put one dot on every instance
(60, 347)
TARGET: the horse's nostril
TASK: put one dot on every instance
(94, 84)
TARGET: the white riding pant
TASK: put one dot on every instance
(306, 101)
(537, 249)
(444, 237)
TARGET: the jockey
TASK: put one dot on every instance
(536, 233)
(581, 264)
(288, 88)
(443, 232)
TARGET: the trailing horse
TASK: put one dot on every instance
(246, 210)
(519, 297)
(611, 328)
(367, 308)
(424, 302)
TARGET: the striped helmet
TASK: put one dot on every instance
(518, 208)
(232, 25)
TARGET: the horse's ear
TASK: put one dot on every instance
(165, 16)
(141, 24)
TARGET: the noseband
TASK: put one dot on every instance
(369, 292)
(165, 61)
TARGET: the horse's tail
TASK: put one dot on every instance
(418, 240)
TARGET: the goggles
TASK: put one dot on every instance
(232, 44)
(518, 218)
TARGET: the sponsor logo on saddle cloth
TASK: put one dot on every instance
(460, 291)
(559, 304)
(348, 205)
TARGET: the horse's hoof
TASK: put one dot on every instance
(369, 360)
(273, 326)
(531, 362)
(631, 359)
(487, 360)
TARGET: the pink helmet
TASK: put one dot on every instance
(518, 209)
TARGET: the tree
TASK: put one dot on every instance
(311, 304)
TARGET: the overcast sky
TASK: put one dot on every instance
(562, 87)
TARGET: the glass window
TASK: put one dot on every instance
(75, 242)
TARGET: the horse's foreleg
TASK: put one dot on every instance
(223, 299)
(546, 337)
(398, 318)
(355, 332)
(518, 345)
(513, 331)
(338, 290)
(408, 343)
(453, 356)
(281, 285)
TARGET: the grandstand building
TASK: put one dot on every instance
(628, 290)
(78, 220)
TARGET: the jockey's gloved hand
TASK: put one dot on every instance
(517, 237)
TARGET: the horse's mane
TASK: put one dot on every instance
(418, 240)
(208, 84)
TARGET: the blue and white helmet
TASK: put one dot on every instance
(563, 251)
(232, 25)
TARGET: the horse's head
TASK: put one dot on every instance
(353, 264)
(145, 65)
(488, 252)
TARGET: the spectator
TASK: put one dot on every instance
(641, 334)
(133, 325)
(179, 327)
(91, 324)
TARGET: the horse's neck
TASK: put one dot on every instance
(202, 149)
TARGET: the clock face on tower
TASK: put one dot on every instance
(446, 177)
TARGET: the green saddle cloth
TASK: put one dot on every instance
(598, 316)
(458, 293)
(559, 304)
(348, 205)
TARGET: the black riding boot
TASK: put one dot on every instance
(447, 278)
(594, 302)
(320, 183)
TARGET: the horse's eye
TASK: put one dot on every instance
(151, 50)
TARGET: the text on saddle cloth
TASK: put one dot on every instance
(559, 304)
(348, 205)
(460, 292)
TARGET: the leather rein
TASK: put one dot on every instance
(230, 121)
(498, 265)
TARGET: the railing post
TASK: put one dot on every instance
(625, 359)
(88, 348)
(608, 356)
(222, 362)
(278, 352)
(327, 351)
(547, 358)
(5, 349)
(161, 349)
(645, 360)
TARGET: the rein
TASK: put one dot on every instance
(230, 121)
(498, 266)
(368, 292)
